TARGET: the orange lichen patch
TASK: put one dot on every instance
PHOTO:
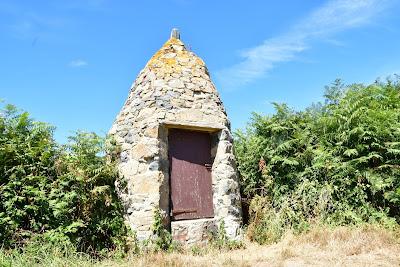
(170, 61)
(199, 61)
(174, 41)
(172, 57)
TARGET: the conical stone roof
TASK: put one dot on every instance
(174, 79)
(173, 90)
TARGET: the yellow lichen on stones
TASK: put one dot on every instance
(173, 57)
(170, 61)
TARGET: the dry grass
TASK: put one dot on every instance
(320, 247)
(365, 246)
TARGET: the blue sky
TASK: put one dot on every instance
(71, 63)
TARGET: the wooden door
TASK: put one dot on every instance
(190, 172)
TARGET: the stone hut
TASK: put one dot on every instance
(176, 150)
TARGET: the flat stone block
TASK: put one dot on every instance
(190, 232)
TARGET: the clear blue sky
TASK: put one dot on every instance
(71, 63)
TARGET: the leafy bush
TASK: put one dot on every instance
(336, 162)
(162, 238)
(84, 201)
(63, 194)
(27, 170)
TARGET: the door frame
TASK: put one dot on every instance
(165, 192)
(208, 174)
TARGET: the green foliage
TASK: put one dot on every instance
(63, 194)
(83, 198)
(27, 169)
(337, 162)
(162, 237)
(221, 241)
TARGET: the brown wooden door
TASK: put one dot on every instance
(190, 172)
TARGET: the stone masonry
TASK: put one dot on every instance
(174, 90)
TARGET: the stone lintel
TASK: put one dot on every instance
(197, 126)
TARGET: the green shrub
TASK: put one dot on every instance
(27, 170)
(83, 198)
(336, 162)
(64, 193)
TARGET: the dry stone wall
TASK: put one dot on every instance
(173, 90)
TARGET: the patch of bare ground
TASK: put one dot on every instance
(344, 246)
